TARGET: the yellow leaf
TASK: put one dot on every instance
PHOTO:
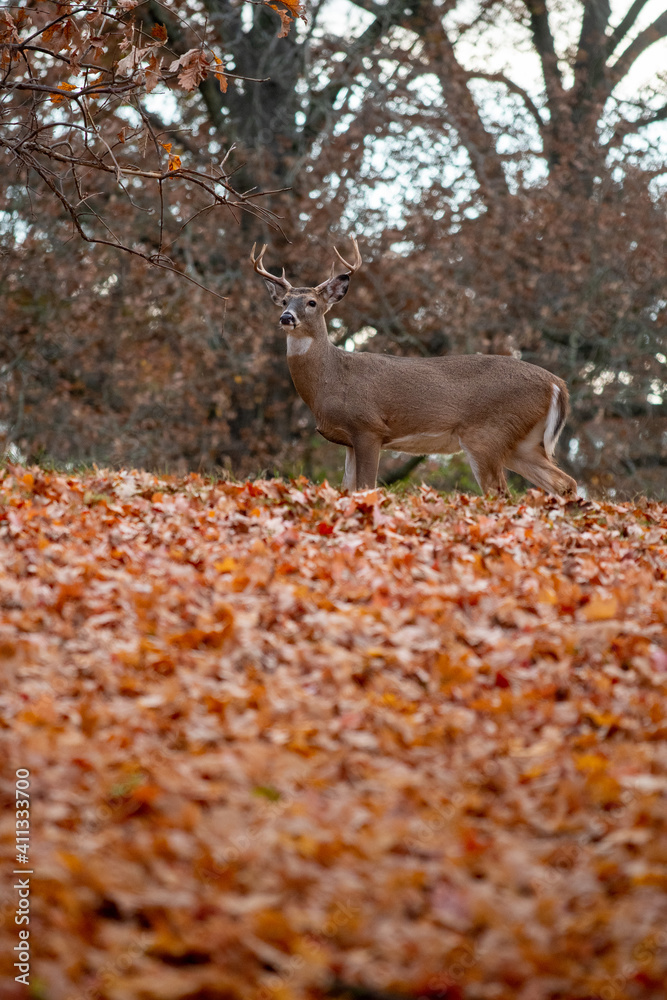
(591, 762)
(600, 608)
(602, 718)
(547, 595)
(71, 860)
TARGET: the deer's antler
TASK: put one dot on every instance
(351, 268)
(261, 270)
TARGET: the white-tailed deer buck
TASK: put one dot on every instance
(502, 413)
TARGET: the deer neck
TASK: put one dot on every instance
(311, 358)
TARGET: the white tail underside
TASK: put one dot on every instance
(553, 427)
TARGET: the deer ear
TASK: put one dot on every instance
(276, 292)
(334, 289)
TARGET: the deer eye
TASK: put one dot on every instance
(284, 302)
(312, 303)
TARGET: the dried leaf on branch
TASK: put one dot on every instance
(114, 68)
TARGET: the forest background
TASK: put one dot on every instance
(502, 163)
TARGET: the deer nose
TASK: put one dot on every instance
(288, 319)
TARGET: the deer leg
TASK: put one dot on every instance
(367, 458)
(486, 468)
(350, 476)
(531, 462)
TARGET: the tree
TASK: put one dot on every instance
(497, 213)
(74, 81)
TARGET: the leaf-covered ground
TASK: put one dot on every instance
(285, 744)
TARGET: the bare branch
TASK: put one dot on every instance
(589, 64)
(322, 101)
(156, 259)
(622, 29)
(653, 33)
(544, 43)
(513, 87)
(626, 127)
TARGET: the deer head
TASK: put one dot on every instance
(305, 307)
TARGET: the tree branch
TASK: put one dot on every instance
(155, 12)
(621, 30)
(513, 87)
(643, 41)
(590, 64)
(464, 114)
(322, 101)
(543, 40)
(626, 127)
(462, 109)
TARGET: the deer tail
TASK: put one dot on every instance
(555, 419)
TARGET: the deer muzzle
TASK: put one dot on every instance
(288, 319)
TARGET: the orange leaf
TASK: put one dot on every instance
(600, 608)
(146, 794)
(58, 98)
(220, 75)
(295, 8)
(174, 159)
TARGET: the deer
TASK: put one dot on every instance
(502, 413)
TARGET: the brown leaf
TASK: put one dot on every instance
(152, 74)
(285, 20)
(159, 32)
(193, 66)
